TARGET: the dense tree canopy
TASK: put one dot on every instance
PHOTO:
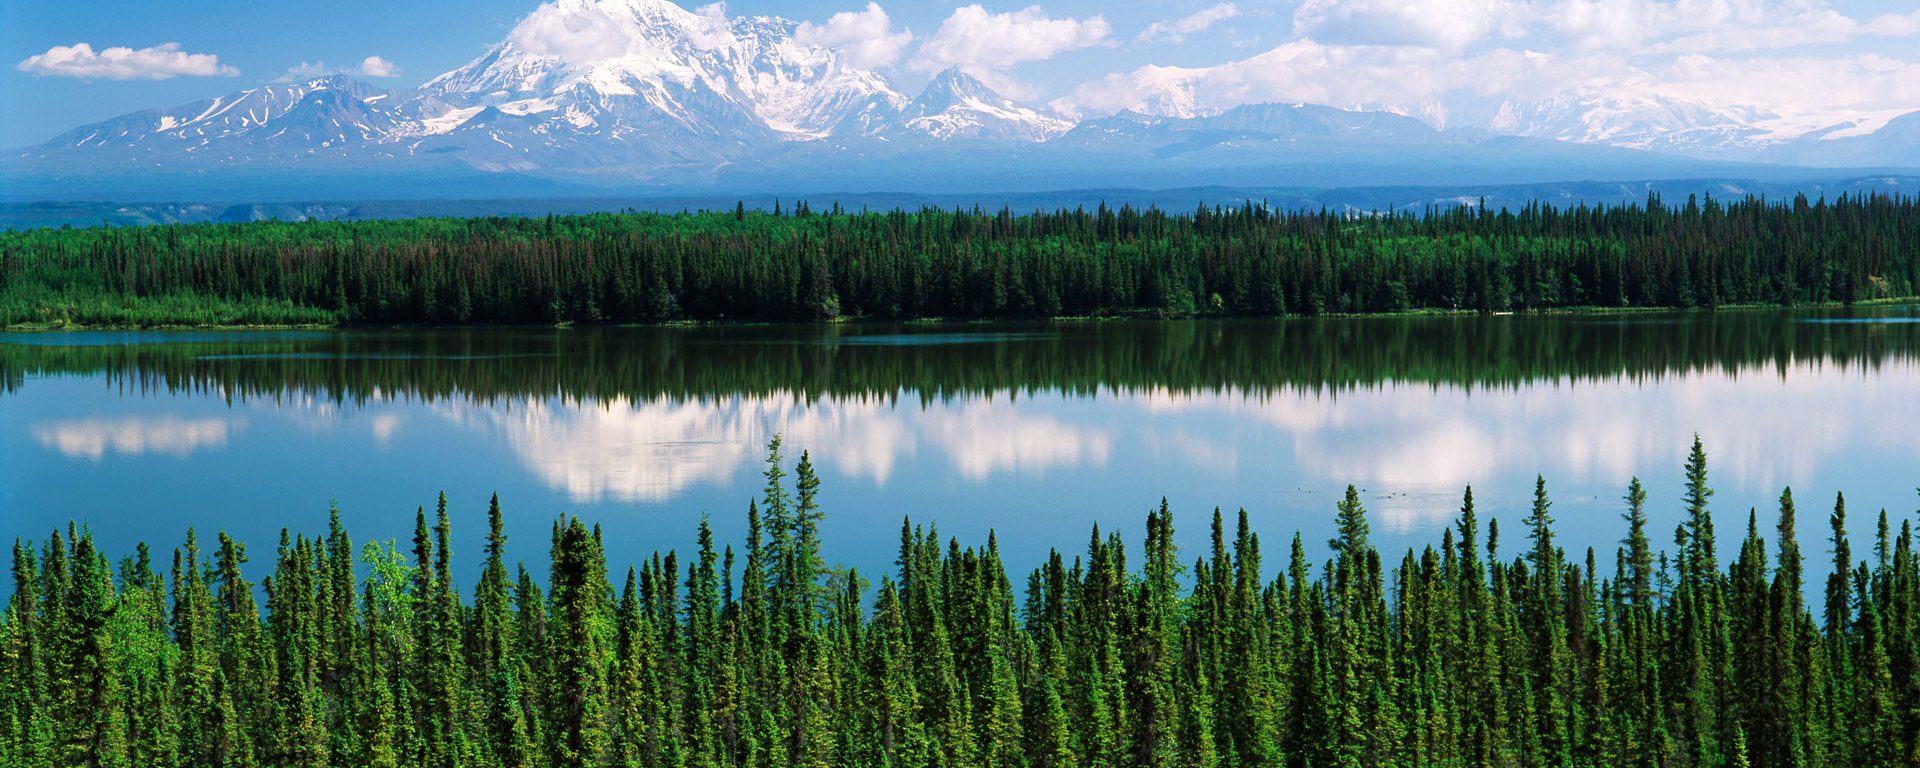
(807, 264)
(1456, 655)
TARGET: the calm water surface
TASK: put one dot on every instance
(1036, 432)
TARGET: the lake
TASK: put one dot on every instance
(1036, 432)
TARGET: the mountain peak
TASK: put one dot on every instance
(333, 83)
(956, 81)
(651, 68)
(954, 87)
(956, 105)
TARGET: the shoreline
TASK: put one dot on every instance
(1576, 311)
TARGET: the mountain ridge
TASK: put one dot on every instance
(664, 97)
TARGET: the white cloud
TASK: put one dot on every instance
(865, 37)
(1168, 91)
(1452, 24)
(1894, 25)
(1794, 84)
(1627, 27)
(161, 62)
(1402, 78)
(575, 36)
(371, 66)
(1175, 30)
(375, 66)
(1708, 26)
(1461, 69)
(980, 42)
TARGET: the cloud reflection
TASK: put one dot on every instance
(652, 450)
(1419, 441)
(986, 437)
(1412, 446)
(93, 439)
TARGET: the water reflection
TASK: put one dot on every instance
(93, 439)
(1412, 442)
(649, 450)
(984, 437)
(652, 450)
(1038, 431)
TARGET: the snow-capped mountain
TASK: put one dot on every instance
(1639, 121)
(1721, 131)
(1313, 120)
(322, 117)
(656, 70)
(620, 87)
(648, 93)
(1868, 141)
(957, 105)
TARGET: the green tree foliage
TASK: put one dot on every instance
(739, 265)
(1450, 657)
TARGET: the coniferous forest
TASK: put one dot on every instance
(1478, 650)
(799, 263)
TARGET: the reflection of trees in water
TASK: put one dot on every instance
(934, 361)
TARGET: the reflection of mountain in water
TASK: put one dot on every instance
(651, 451)
(930, 362)
(1424, 442)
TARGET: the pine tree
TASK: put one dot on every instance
(1699, 561)
(1638, 587)
(579, 652)
(1451, 658)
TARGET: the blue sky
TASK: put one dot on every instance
(1450, 61)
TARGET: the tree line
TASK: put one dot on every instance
(803, 264)
(1460, 654)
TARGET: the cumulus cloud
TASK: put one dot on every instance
(1452, 24)
(375, 66)
(1176, 30)
(1459, 61)
(865, 37)
(1391, 77)
(1639, 27)
(1151, 89)
(1895, 25)
(576, 35)
(161, 62)
(1797, 83)
(371, 66)
(1666, 27)
(981, 42)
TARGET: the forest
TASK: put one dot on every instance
(1460, 654)
(799, 264)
